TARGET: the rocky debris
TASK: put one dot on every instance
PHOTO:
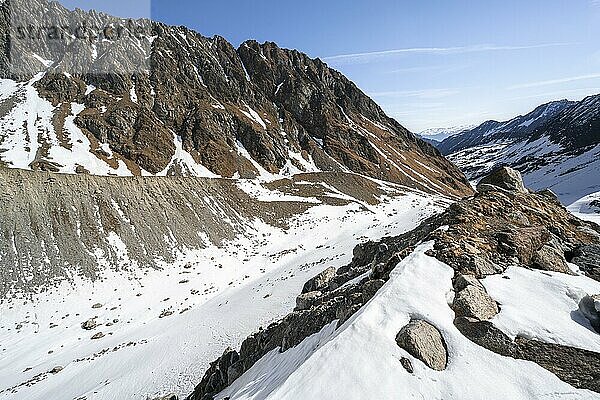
(497, 229)
(97, 305)
(424, 342)
(321, 281)
(477, 236)
(307, 300)
(463, 281)
(407, 365)
(579, 368)
(474, 302)
(167, 397)
(89, 325)
(165, 313)
(98, 335)
(589, 306)
(549, 258)
(504, 178)
(44, 210)
(56, 369)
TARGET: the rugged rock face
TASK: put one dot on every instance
(424, 342)
(477, 237)
(204, 107)
(555, 146)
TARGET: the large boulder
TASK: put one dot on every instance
(504, 178)
(320, 282)
(474, 302)
(306, 300)
(587, 257)
(589, 306)
(548, 258)
(424, 342)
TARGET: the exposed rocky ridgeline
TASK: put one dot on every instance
(204, 107)
(478, 237)
(555, 146)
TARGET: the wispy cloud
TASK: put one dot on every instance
(555, 81)
(595, 3)
(421, 94)
(342, 59)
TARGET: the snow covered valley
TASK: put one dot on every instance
(138, 330)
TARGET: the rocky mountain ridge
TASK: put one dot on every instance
(503, 228)
(204, 108)
(555, 146)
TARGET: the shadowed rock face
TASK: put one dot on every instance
(217, 99)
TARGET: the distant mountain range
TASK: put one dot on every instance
(555, 146)
(437, 135)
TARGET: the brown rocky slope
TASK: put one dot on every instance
(286, 110)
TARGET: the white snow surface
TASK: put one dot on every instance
(569, 176)
(218, 296)
(587, 208)
(361, 360)
(543, 306)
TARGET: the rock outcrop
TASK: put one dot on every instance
(589, 306)
(424, 342)
(505, 178)
(477, 237)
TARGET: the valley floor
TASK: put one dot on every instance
(157, 330)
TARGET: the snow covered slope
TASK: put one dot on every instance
(154, 331)
(557, 146)
(438, 135)
(587, 208)
(489, 276)
(361, 360)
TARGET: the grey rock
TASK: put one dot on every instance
(56, 369)
(548, 258)
(589, 306)
(549, 194)
(97, 305)
(89, 324)
(505, 178)
(407, 365)
(98, 335)
(587, 258)
(462, 281)
(474, 302)
(320, 282)
(424, 342)
(307, 300)
(167, 397)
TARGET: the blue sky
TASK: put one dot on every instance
(428, 63)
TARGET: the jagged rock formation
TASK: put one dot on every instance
(556, 146)
(477, 237)
(202, 107)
